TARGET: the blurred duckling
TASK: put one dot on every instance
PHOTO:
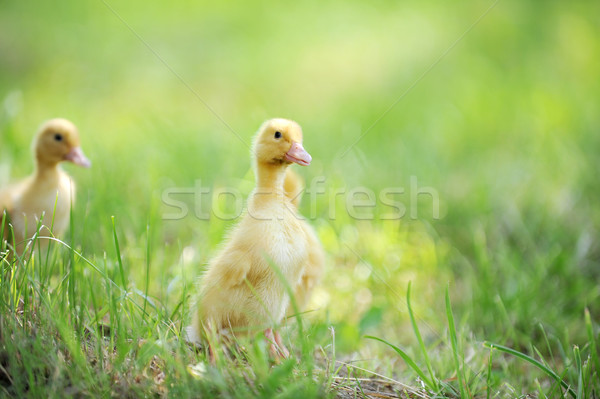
(49, 191)
(240, 290)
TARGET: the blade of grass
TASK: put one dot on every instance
(407, 359)
(331, 363)
(534, 362)
(129, 302)
(454, 343)
(118, 249)
(510, 330)
(27, 267)
(96, 320)
(579, 370)
(590, 332)
(183, 298)
(488, 380)
(72, 271)
(537, 352)
(112, 314)
(546, 340)
(588, 382)
(147, 271)
(49, 247)
(539, 388)
(3, 230)
(433, 380)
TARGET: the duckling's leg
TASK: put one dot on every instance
(211, 338)
(276, 349)
(284, 351)
(271, 339)
(210, 352)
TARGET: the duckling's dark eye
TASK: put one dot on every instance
(277, 135)
(58, 137)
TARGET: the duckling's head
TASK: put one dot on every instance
(58, 141)
(279, 142)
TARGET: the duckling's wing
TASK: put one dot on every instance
(231, 267)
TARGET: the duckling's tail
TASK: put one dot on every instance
(293, 186)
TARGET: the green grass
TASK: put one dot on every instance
(504, 299)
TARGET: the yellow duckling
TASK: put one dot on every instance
(240, 289)
(49, 191)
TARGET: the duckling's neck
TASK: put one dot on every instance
(269, 178)
(45, 171)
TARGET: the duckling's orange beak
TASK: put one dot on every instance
(77, 156)
(298, 154)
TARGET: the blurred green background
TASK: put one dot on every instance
(504, 127)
